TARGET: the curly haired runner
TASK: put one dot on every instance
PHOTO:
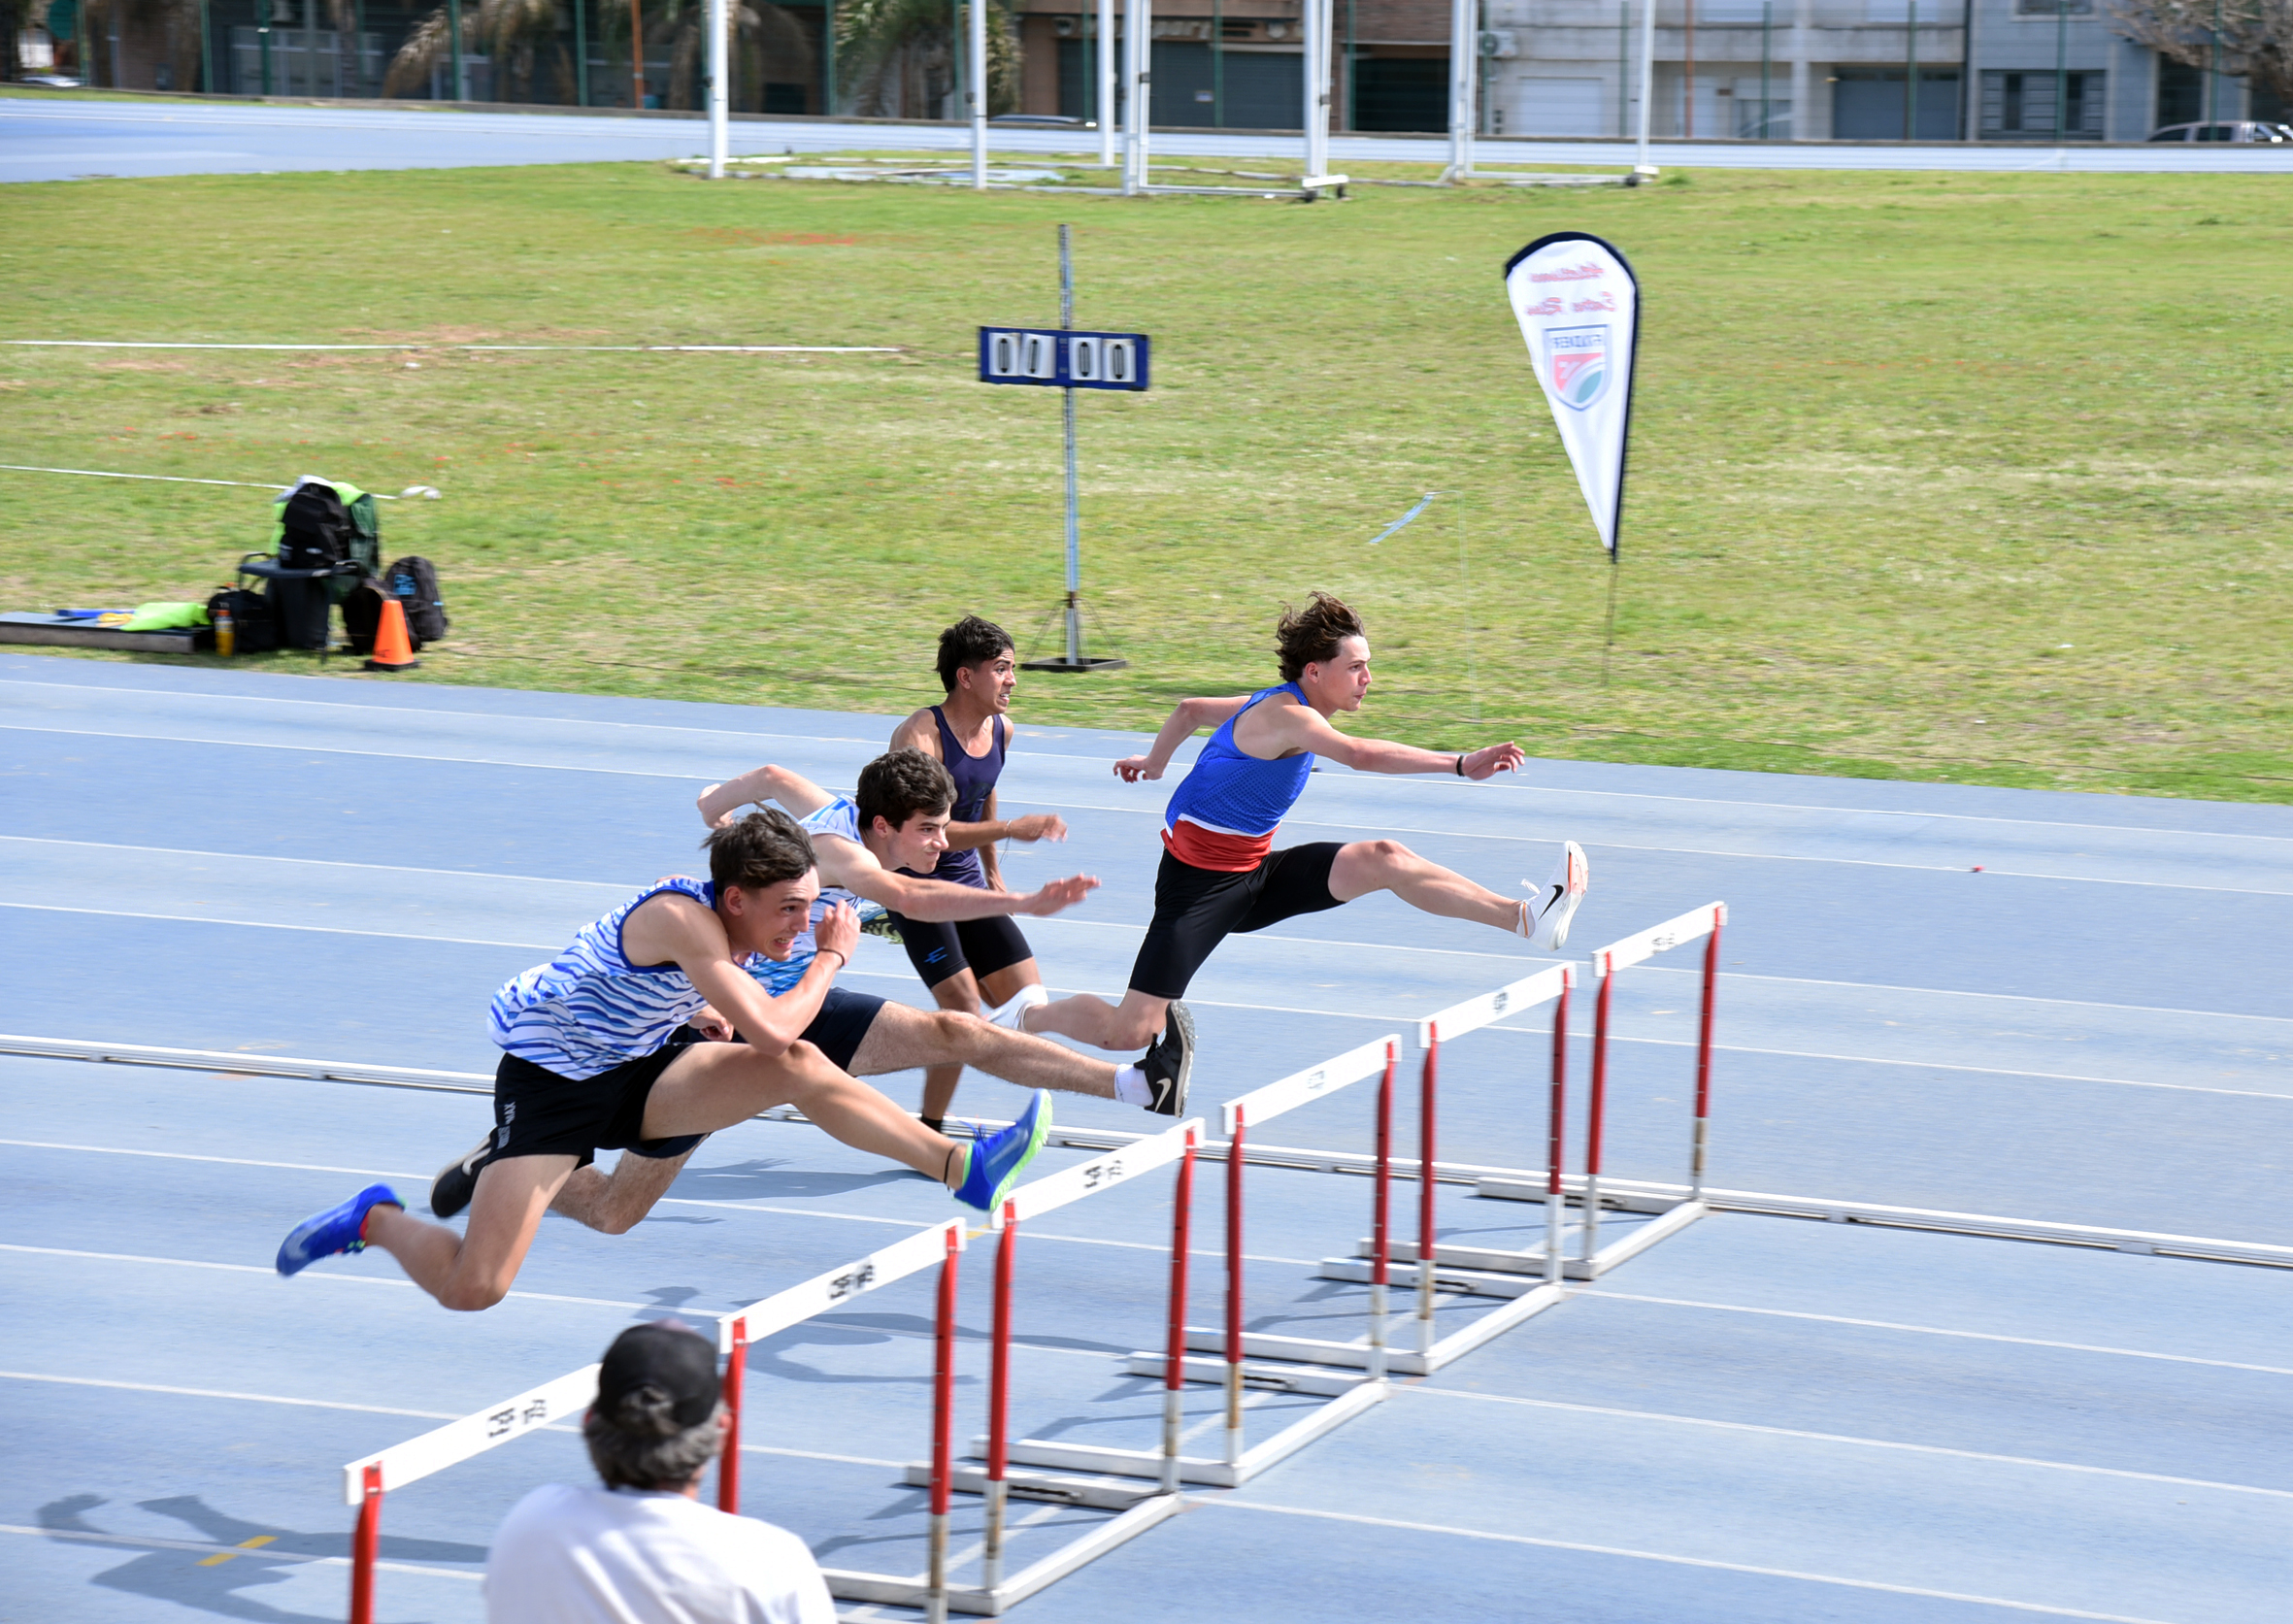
(1221, 872)
(591, 1061)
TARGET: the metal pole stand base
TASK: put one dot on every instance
(1084, 663)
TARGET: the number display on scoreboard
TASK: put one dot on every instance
(1063, 360)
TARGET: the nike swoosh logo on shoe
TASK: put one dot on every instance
(1558, 892)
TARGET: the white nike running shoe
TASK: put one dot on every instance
(1013, 1015)
(1545, 919)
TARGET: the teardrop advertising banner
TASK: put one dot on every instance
(1579, 306)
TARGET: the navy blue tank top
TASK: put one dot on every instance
(975, 778)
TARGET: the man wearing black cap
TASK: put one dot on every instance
(642, 1548)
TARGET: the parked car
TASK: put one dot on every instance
(2228, 129)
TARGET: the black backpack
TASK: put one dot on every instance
(414, 581)
(251, 627)
(314, 528)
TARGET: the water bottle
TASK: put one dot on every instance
(226, 632)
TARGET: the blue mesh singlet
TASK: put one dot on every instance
(589, 1009)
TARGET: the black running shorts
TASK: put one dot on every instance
(842, 1021)
(1197, 909)
(537, 1112)
(983, 946)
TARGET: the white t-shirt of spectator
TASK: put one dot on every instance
(593, 1555)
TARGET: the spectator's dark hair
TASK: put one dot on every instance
(641, 1445)
(763, 849)
(900, 783)
(970, 642)
(1311, 636)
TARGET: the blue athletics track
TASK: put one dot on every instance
(2052, 1008)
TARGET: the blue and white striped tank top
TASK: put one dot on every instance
(589, 1009)
(777, 976)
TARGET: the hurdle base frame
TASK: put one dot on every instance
(979, 1601)
(1669, 1220)
(1196, 1469)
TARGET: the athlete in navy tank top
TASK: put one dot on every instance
(981, 967)
(1221, 872)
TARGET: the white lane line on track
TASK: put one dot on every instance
(259, 1269)
(1211, 1002)
(1846, 1438)
(1231, 1504)
(382, 1410)
(139, 1542)
(1935, 1331)
(1923, 1065)
(665, 1201)
(1436, 784)
(1373, 829)
(318, 862)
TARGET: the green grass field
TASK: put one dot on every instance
(1974, 478)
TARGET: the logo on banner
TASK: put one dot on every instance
(1579, 358)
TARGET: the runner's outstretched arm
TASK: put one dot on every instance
(1190, 718)
(1302, 727)
(675, 929)
(798, 795)
(854, 866)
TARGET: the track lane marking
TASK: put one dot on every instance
(1934, 1331)
(1229, 1502)
(1522, 788)
(1850, 1438)
(143, 1541)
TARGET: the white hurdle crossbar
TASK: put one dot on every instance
(366, 1479)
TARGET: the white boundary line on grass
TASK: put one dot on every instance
(1232, 1502)
(394, 349)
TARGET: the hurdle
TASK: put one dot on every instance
(1669, 1217)
(367, 1479)
(1353, 1393)
(988, 1474)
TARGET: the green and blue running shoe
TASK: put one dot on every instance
(335, 1230)
(997, 1158)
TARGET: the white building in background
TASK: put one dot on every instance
(1824, 70)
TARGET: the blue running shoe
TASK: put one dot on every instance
(335, 1230)
(997, 1159)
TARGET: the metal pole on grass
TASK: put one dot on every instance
(1317, 16)
(1073, 514)
(1233, 1158)
(976, 92)
(1103, 67)
(1647, 80)
(206, 51)
(1137, 25)
(1173, 1371)
(719, 91)
(1464, 65)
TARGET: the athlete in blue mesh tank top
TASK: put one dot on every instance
(1220, 872)
(591, 1062)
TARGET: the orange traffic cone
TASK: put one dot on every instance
(392, 649)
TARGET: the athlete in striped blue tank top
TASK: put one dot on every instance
(591, 1062)
(1221, 872)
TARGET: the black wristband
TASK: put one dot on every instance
(1460, 764)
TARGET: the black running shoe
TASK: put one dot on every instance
(1170, 1064)
(457, 1180)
